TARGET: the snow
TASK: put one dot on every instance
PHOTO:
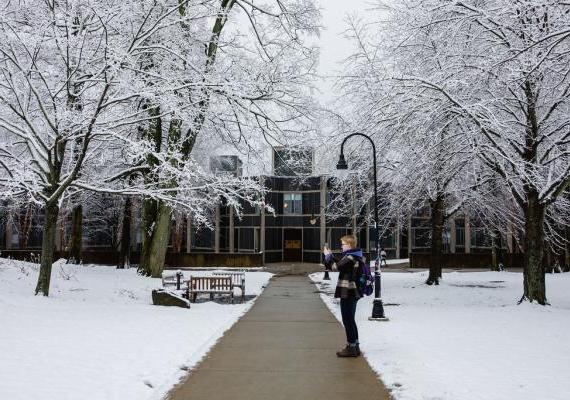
(466, 339)
(97, 336)
(395, 261)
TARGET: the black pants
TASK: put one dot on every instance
(348, 310)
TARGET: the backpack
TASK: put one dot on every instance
(363, 278)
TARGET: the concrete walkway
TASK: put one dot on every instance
(282, 349)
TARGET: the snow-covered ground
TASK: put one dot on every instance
(397, 261)
(98, 337)
(467, 339)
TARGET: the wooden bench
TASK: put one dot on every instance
(238, 279)
(172, 279)
(211, 285)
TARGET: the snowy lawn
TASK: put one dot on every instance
(466, 339)
(98, 336)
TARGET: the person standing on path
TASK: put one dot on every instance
(383, 257)
(347, 291)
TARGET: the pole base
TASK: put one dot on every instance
(378, 311)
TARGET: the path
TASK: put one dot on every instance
(282, 349)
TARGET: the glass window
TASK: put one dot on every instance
(387, 240)
(480, 238)
(421, 237)
(292, 203)
(202, 239)
(459, 236)
(246, 239)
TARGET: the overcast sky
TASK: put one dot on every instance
(334, 47)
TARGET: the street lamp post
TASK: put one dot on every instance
(378, 306)
(313, 221)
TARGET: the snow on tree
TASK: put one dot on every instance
(424, 160)
(74, 74)
(499, 71)
(253, 91)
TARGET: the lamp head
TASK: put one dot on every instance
(342, 168)
(341, 162)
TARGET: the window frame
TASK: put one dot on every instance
(295, 203)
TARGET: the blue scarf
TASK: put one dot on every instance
(353, 252)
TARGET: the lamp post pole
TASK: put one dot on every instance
(313, 221)
(378, 306)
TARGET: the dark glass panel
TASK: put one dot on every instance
(273, 238)
(311, 239)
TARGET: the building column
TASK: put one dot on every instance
(567, 250)
(188, 234)
(397, 238)
(322, 219)
(452, 236)
(353, 195)
(231, 232)
(368, 227)
(59, 234)
(217, 231)
(510, 247)
(134, 224)
(8, 233)
(262, 235)
(410, 234)
(467, 234)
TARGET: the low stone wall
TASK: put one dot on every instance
(173, 260)
(99, 256)
(471, 260)
(231, 260)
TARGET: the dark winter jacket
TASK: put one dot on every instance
(346, 265)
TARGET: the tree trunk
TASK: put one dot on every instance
(155, 242)
(150, 206)
(48, 245)
(534, 277)
(76, 234)
(436, 257)
(125, 241)
(149, 213)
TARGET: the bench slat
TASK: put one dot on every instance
(238, 279)
(210, 285)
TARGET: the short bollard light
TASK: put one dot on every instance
(179, 276)
(327, 270)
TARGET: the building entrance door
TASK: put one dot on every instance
(292, 245)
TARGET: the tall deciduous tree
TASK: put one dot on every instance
(426, 161)
(252, 85)
(502, 72)
(69, 103)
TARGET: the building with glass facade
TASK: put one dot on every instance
(299, 227)
(295, 231)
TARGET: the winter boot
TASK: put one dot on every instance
(348, 351)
